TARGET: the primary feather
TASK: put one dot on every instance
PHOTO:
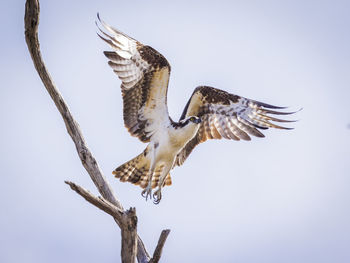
(228, 116)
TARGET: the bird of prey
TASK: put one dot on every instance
(210, 113)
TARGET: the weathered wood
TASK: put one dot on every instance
(99, 202)
(158, 251)
(129, 235)
(142, 254)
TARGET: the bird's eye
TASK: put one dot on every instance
(192, 119)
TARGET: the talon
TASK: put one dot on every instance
(147, 192)
(157, 196)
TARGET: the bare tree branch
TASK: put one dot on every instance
(129, 235)
(158, 251)
(128, 227)
(99, 202)
(142, 254)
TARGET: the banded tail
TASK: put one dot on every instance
(136, 170)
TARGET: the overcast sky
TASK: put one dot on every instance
(284, 198)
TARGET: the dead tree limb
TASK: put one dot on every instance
(158, 251)
(100, 202)
(131, 243)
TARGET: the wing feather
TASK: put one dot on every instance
(221, 127)
(239, 129)
(212, 124)
(144, 74)
(228, 116)
(229, 129)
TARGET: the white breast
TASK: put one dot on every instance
(178, 138)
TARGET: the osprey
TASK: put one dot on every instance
(210, 113)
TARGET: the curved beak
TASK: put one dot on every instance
(198, 120)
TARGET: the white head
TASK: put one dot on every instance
(189, 126)
(184, 130)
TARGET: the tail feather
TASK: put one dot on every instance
(156, 176)
(136, 171)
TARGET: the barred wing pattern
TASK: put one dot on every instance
(144, 73)
(228, 116)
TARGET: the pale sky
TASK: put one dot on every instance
(284, 198)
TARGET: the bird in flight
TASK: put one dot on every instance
(210, 113)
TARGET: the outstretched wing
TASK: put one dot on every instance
(145, 75)
(228, 116)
